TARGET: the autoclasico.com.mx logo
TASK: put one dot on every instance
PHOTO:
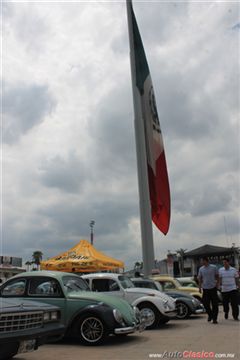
(189, 354)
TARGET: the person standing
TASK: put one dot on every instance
(229, 279)
(208, 282)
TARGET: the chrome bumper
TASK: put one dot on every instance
(130, 329)
(199, 311)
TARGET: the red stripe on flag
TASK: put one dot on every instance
(160, 194)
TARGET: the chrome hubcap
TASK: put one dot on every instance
(92, 329)
(147, 316)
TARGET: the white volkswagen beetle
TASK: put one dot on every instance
(155, 307)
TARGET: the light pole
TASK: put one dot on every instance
(179, 257)
(92, 223)
(235, 255)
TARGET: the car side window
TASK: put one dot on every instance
(167, 285)
(100, 285)
(138, 284)
(42, 287)
(14, 288)
(104, 285)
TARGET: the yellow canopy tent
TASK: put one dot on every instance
(83, 257)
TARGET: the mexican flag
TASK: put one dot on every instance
(156, 162)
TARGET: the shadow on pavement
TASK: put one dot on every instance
(111, 340)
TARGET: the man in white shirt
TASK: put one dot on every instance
(229, 277)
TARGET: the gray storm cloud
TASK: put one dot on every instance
(69, 147)
(24, 106)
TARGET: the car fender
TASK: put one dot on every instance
(197, 295)
(104, 312)
(156, 301)
(186, 302)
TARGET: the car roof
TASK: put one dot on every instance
(142, 279)
(102, 275)
(54, 274)
(162, 277)
(185, 279)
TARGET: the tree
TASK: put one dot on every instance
(37, 258)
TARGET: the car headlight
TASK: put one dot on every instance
(118, 316)
(54, 316)
(165, 304)
(46, 317)
(51, 316)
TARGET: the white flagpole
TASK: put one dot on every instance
(144, 196)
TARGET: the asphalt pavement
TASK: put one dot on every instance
(187, 339)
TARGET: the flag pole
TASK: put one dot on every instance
(144, 196)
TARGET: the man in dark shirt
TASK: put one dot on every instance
(208, 281)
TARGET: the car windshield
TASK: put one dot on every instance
(158, 286)
(125, 282)
(177, 283)
(74, 283)
(188, 283)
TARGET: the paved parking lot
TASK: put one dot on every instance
(178, 336)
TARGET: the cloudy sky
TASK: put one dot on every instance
(68, 136)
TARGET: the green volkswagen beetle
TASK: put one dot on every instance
(87, 315)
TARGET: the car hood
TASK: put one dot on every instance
(149, 292)
(179, 294)
(189, 289)
(113, 301)
(17, 304)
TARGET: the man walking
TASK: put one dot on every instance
(229, 283)
(208, 281)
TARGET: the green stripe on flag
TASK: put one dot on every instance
(142, 70)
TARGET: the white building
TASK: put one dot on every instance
(10, 266)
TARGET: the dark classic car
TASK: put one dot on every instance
(24, 325)
(87, 316)
(186, 304)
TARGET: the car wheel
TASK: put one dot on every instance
(150, 313)
(183, 311)
(90, 330)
